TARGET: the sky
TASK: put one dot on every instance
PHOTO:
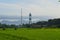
(35, 7)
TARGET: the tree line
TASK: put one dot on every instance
(51, 23)
(4, 26)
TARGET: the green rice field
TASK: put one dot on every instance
(30, 34)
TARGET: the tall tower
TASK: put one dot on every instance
(21, 16)
(30, 19)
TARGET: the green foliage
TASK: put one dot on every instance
(51, 23)
(28, 26)
(30, 34)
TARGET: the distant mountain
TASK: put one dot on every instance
(17, 19)
(25, 17)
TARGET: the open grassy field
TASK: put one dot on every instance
(30, 34)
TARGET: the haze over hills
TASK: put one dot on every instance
(17, 20)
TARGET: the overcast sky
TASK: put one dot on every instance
(36, 7)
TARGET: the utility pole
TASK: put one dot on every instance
(21, 17)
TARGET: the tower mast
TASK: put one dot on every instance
(21, 16)
(30, 18)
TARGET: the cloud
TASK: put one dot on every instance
(46, 8)
(9, 9)
(10, 6)
(36, 7)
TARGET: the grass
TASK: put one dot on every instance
(30, 34)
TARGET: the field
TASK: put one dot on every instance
(30, 34)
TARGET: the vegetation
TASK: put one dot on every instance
(51, 23)
(49, 31)
(30, 34)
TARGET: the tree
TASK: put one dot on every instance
(4, 26)
(14, 26)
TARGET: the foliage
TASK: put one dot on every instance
(30, 34)
(50, 23)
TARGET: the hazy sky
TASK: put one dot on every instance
(36, 7)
